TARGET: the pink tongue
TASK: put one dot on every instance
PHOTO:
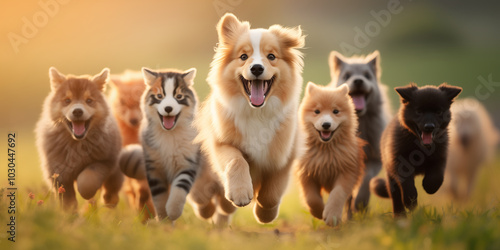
(168, 122)
(325, 134)
(427, 138)
(359, 102)
(257, 93)
(78, 128)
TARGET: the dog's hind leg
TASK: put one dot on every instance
(202, 196)
(311, 193)
(69, 197)
(409, 193)
(363, 196)
(223, 212)
(269, 196)
(111, 188)
(396, 196)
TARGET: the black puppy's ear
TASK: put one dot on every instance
(451, 91)
(407, 92)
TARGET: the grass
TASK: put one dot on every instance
(436, 223)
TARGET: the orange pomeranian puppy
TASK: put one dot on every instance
(248, 124)
(333, 160)
(78, 139)
(125, 99)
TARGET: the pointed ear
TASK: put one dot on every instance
(406, 93)
(343, 89)
(189, 76)
(335, 61)
(373, 60)
(451, 91)
(289, 37)
(56, 78)
(227, 28)
(149, 76)
(311, 88)
(101, 78)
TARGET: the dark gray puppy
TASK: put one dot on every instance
(362, 74)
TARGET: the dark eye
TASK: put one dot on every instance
(439, 112)
(368, 76)
(179, 96)
(89, 101)
(271, 57)
(336, 111)
(418, 112)
(347, 76)
(316, 111)
(67, 101)
(159, 96)
(244, 57)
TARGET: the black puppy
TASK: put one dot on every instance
(415, 142)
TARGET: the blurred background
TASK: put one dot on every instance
(422, 41)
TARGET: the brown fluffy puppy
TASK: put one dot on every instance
(125, 99)
(473, 140)
(248, 124)
(333, 160)
(78, 139)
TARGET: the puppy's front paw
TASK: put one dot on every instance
(240, 194)
(175, 204)
(332, 218)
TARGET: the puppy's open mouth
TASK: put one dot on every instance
(78, 128)
(257, 90)
(426, 137)
(168, 122)
(359, 100)
(325, 135)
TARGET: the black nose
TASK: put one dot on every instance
(168, 109)
(358, 83)
(257, 69)
(134, 122)
(326, 125)
(78, 112)
(428, 127)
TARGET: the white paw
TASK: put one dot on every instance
(175, 204)
(240, 194)
(332, 218)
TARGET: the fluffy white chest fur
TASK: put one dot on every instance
(258, 128)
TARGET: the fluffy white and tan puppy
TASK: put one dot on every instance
(248, 124)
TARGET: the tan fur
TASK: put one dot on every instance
(90, 161)
(125, 98)
(471, 122)
(251, 149)
(335, 166)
